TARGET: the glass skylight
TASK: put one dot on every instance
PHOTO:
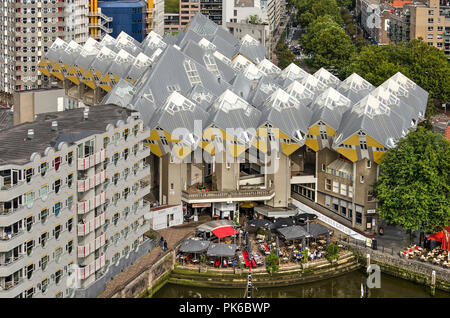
(191, 72)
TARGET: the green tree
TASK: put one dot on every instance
(254, 19)
(309, 10)
(328, 44)
(272, 263)
(332, 252)
(414, 182)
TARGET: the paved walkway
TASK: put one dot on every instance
(173, 236)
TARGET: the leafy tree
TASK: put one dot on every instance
(254, 19)
(309, 10)
(414, 182)
(285, 55)
(272, 263)
(332, 252)
(328, 44)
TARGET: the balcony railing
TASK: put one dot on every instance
(89, 183)
(92, 160)
(10, 285)
(88, 205)
(83, 229)
(194, 194)
(11, 261)
(88, 270)
(85, 250)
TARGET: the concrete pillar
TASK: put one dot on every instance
(368, 260)
(433, 283)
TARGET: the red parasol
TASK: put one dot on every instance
(442, 237)
(224, 231)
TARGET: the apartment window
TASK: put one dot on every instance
(343, 208)
(115, 158)
(125, 251)
(43, 192)
(370, 195)
(336, 186)
(28, 174)
(29, 270)
(115, 218)
(343, 189)
(44, 238)
(363, 144)
(335, 205)
(29, 292)
(57, 254)
(126, 192)
(135, 148)
(57, 185)
(57, 208)
(125, 153)
(29, 199)
(58, 275)
(43, 215)
(358, 215)
(106, 141)
(328, 184)
(115, 258)
(361, 179)
(430, 29)
(350, 211)
(350, 191)
(44, 285)
(69, 246)
(430, 20)
(135, 129)
(57, 163)
(439, 44)
(126, 172)
(430, 12)
(116, 197)
(44, 261)
(57, 231)
(323, 167)
(69, 202)
(44, 168)
(430, 36)
(69, 157)
(69, 180)
(116, 178)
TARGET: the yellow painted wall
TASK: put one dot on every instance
(377, 156)
(288, 149)
(312, 143)
(371, 142)
(350, 154)
(314, 130)
(330, 131)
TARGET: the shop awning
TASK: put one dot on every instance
(221, 250)
(194, 246)
(317, 230)
(294, 232)
(224, 231)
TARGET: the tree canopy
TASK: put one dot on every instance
(328, 44)
(413, 186)
(309, 10)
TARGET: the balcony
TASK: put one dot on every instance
(88, 270)
(91, 182)
(10, 285)
(91, 161)
(85, 250)
(83, 229)
(88, 205)
(196, 196)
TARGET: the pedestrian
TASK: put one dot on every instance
(165, 245)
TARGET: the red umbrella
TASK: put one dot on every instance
(442, 237)
(224, 231)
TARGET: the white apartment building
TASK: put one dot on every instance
(71, 201)
(27, 29)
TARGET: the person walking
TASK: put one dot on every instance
(165, 245)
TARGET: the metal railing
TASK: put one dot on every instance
(194, 194)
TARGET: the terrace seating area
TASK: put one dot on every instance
(436, 256)
(229, 246)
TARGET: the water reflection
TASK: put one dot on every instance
(346, 286)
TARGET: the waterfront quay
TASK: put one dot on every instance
(155, 270)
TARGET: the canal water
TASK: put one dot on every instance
(345, 286)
